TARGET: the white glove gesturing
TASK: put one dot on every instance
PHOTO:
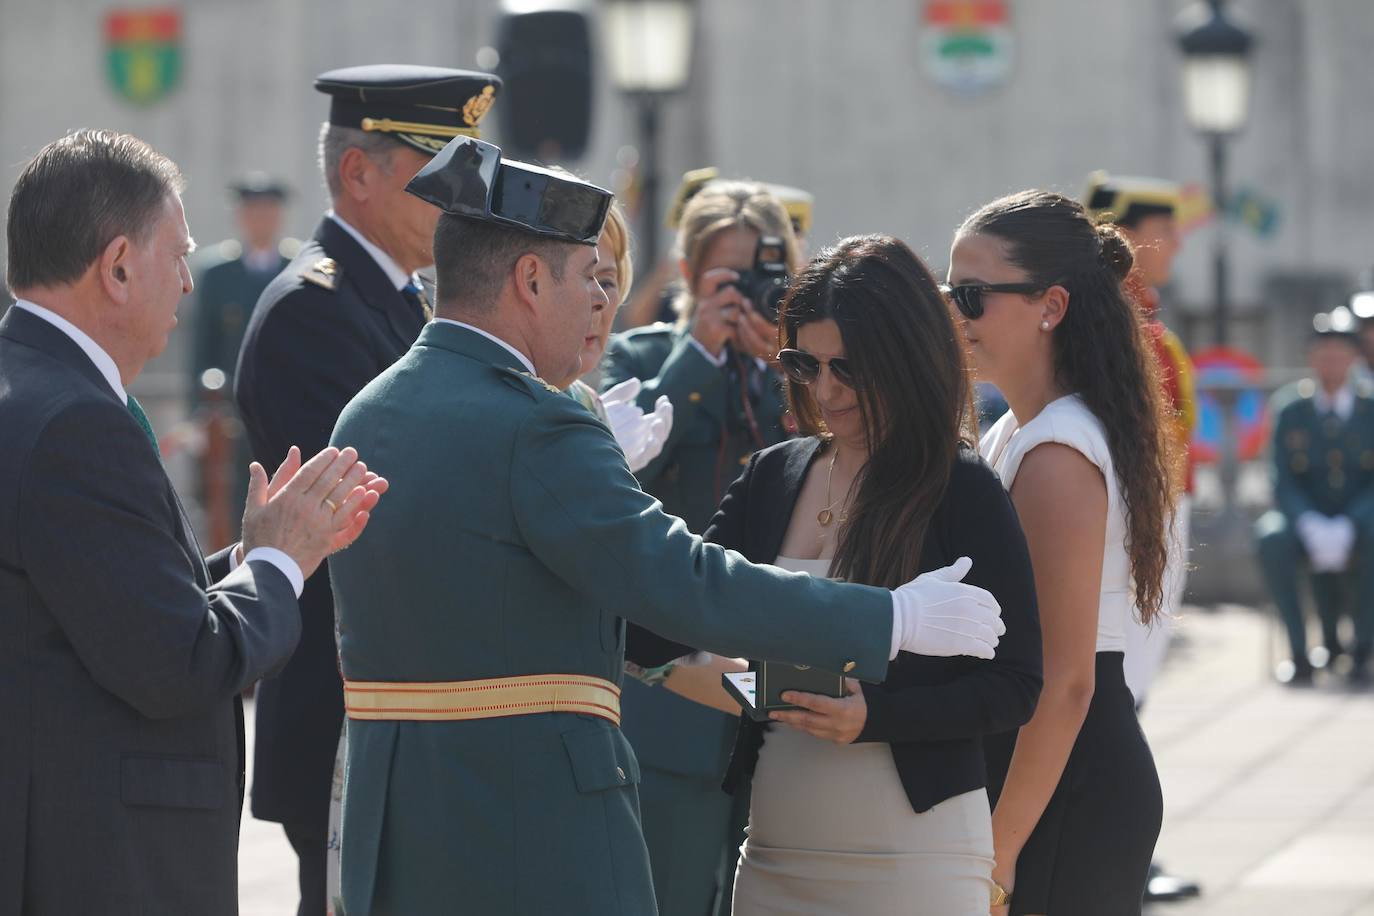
(1327, 540)
(640, 435)
(937, 614)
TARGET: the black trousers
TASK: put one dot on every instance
(309, 841)
(1090, 853)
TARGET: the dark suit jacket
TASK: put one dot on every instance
(121, 732)
(309, 349)
(932, 711)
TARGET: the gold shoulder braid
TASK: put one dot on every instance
(531, 375)
(323, 273)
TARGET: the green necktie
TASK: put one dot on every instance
(137, 410)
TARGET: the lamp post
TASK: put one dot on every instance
(1216, 96)
(649, 47)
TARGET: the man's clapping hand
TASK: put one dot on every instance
(310, 510)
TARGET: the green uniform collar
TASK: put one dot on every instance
(467, 342)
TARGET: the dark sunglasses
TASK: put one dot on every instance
(968, 297)
(803, 368)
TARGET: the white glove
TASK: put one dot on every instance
(1327, 540)
(641, 436)
(937, 614)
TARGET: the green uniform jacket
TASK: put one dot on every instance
(512, 541)
(225, 295)
(693, 472)
(1323, 464)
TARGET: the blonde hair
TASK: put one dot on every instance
(617, 230)
(718, 207)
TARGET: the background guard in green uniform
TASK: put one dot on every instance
(714, 366)
(231, 277)
(512, 541)
(1323, 454)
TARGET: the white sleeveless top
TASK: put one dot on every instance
(1068, 421)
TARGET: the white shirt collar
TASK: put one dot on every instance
(1342, 402)
(261, 260)
(103, 361)
(398, 277)
(524, 360)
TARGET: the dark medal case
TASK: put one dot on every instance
(769, 680)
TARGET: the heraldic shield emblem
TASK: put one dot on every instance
(967, 44)
(143, 52)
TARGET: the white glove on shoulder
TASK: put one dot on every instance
(938, 614)
(641, 436)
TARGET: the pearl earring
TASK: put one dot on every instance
(1045, 325)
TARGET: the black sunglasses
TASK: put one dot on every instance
(803, 368)
(968, 297)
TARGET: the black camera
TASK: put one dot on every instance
(765, 284)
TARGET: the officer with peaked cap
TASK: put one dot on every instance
(343, 310)
(481, 630)
(1323, 518)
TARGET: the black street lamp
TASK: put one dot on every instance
(649, 46)
(1216, 95)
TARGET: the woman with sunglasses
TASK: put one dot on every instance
(727, 403)
(875, 803)
(1084, 454)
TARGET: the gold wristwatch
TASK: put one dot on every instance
(1000, 895)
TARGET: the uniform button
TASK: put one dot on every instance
(849, 666)
(694, 397)
(620, 771)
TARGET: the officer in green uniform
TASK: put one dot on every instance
(727, 403)
(1323, 454)
(234, 273)
(231, 277)
(481, 629)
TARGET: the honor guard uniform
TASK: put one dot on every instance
(480, 616)
(343, 310)
(1146, 212)
(231, 277)
(1323, 519)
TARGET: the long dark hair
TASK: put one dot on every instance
(914, 395)
(1102, 355)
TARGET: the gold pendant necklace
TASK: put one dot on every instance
(826, 516)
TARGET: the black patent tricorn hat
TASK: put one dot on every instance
(468, 178)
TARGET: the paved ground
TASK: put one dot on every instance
(1269, 793)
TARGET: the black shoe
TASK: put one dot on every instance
(1162, 887)
(1291, 674)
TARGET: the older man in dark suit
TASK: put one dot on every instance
(122, 652)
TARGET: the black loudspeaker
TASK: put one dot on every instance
(545, 106)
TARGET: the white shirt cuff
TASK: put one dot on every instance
(897, 620)
(716, 361)
(289, 567)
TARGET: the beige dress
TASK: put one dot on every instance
(831, 832)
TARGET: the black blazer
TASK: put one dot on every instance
(932, 711)
(121, 656)
(308, 350)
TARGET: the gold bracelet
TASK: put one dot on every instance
(1000, 895)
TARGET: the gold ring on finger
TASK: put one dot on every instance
(333, 506)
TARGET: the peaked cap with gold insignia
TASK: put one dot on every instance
(422, 107)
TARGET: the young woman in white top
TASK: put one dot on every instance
(1083, 453)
